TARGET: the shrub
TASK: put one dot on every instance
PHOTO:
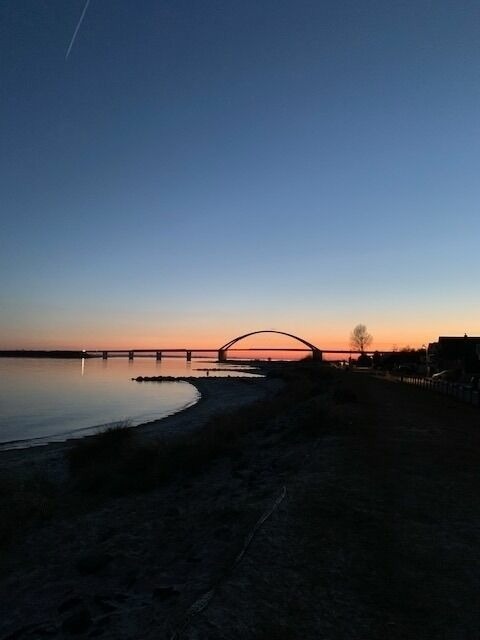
(100, 448)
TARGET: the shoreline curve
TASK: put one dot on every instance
(217, 395)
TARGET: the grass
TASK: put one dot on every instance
(100, 448)
(113, 462)
(117, 461)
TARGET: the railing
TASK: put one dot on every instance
(457, 390)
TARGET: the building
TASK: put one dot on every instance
(454, 352)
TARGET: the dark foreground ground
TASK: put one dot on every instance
(377, 536)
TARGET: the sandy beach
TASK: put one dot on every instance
(217, 395)
(46, 550)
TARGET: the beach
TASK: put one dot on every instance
(342, 507)
(46, 554)
(217, 394)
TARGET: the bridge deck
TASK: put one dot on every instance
(215, 350)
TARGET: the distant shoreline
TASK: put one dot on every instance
(26, 353)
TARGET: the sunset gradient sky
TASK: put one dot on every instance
(197, 170)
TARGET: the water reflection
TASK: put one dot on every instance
(42, 397)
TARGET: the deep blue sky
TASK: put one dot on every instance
(208, 168)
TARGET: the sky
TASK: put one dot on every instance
(197, 170)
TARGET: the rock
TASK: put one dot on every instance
(92, 563)
(77, 622)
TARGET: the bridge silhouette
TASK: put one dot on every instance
(222, 352)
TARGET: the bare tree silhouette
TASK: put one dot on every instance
(360, 339)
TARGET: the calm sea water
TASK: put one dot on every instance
(43, 400)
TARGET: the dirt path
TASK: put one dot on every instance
(418, 477)
(379, 537)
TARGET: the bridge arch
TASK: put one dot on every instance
(222, 352)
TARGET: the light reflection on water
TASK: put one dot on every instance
(52, 399)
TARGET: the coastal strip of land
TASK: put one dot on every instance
(25, 353)
(217, 395)
(375, 537)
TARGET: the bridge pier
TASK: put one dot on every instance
(189, 356)
(105, 355)
(159, 355)
(222, 355)
(130, 355)
(317, 355)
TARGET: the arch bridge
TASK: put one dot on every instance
(316, 352)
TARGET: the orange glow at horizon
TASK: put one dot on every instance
(326, 339)
(154, 329)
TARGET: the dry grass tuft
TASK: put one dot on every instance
(100, 448)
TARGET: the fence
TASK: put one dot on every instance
(462, 392)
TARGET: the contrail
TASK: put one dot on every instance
(77, 28)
